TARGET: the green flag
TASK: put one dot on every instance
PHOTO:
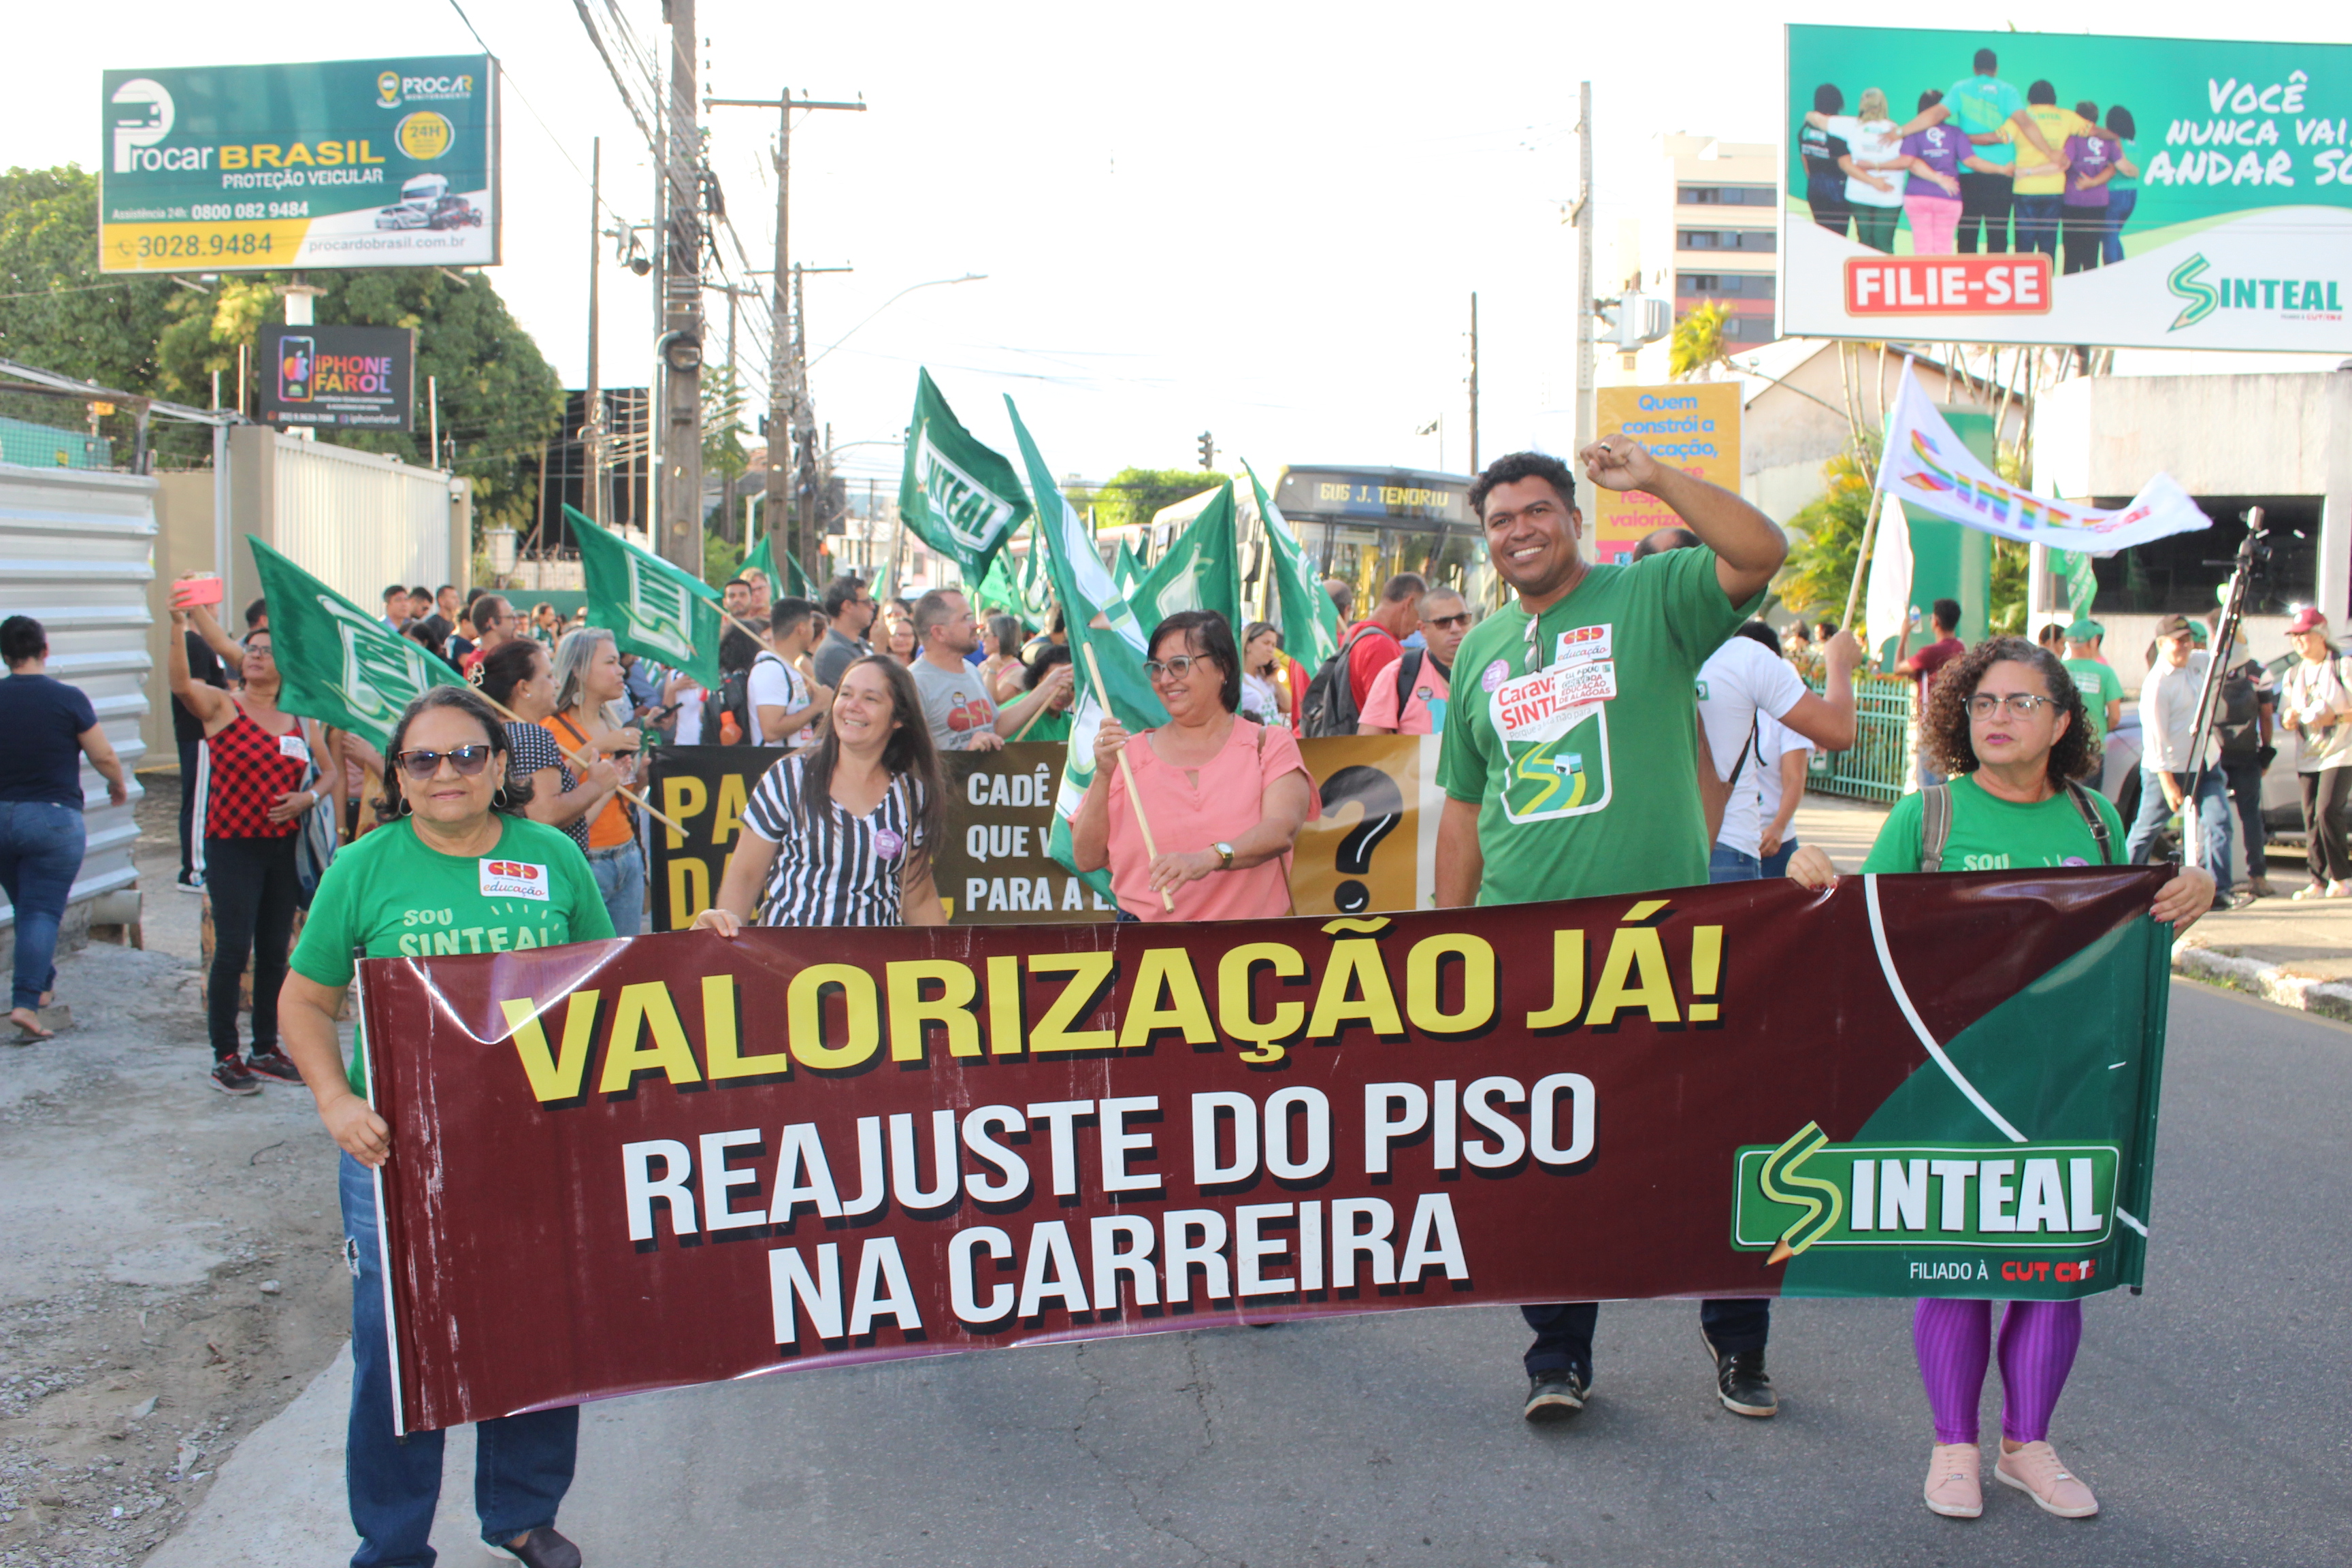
(652, 608)
(339, 664)
(958, 497)
(1127, 571)
(1099, 619)
(1034, 581)
(1310, 622)
(791, 581)
(1201, 571)
(2081, 582)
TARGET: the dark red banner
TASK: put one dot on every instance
(674, 1158)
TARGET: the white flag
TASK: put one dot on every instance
(1931, 471)
(1887, 603)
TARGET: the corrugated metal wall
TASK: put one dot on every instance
(75, 548)
(356, 520)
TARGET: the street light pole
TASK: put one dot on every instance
(679, 538)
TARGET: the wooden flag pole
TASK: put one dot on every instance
(1127, 772)
(1861, 563)
(584, 761)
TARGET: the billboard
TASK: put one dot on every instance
(2196, 193)
(1694, 426)
(373, 162)
(352, 378)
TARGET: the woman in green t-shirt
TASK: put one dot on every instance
(2007, 725)
(456, 867)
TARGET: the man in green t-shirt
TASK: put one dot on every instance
(2102, 690)
(1570, 762)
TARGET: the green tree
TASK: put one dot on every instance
(723, 453)
(1696, 345)
(1819, 573)
(1134, 495)
(165, 338)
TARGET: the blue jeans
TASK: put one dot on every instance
(620, 874)
(2037, 225)
(522, 1464)
(2111, 236)
(1776, 864)
(2212, 825)
(40, 854)
(1725, 864)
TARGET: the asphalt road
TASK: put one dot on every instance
(2209, 1414)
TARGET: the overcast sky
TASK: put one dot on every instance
(1263, 221)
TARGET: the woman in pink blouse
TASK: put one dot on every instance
(1225, 797)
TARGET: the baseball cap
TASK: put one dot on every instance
(2086, 630)
(2306, 619)
(2172, 627)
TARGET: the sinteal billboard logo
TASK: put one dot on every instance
(2290, 299)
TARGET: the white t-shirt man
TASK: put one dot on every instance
(775, 684)
(1741, 682)
(1774, 740)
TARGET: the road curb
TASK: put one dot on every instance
(2329, 998)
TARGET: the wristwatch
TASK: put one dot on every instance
(1225, 856)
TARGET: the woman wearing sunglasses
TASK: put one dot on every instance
(1225, 797)
(456, 867)
(2007, 725)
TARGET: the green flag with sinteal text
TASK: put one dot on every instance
(1099, 621)
(1201, 571)
(956, 495)
(1310, 622)
(790, 581)
(339, 664)
(652, 608)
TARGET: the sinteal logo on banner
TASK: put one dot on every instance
(2290, 299)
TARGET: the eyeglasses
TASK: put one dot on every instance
(469, 762)
(1446, 623)
(1175, 668)
(2020, 704)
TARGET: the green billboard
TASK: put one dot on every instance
(368, 163)
(2067, 188)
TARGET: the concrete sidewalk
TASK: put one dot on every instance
(2295, 955)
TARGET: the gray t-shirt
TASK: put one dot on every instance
(955, 703)
(835, 654)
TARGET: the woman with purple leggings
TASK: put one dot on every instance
(2006, 724)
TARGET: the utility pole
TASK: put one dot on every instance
(785, 353)
(1585, 230)
(678, 535)
(1474, 381)
(808, 528)
(592, 423)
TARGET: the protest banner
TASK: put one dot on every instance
(1371, 850)
(923, 1140)
(1692, 425)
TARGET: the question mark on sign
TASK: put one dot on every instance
(1382, 803)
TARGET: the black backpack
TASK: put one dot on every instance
(1330, 705)
(735, 697)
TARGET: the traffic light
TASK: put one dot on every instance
(1207, 450)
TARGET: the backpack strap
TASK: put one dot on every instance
(1935, 825)
(2091, 819)
(1408, 671)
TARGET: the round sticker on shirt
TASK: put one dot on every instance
(888, 842)
(1496, 673)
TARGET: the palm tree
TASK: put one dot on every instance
(1697, 347)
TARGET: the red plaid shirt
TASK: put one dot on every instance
(250, 769)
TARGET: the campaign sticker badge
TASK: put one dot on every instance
(1494, 675)
(888, 842)
(514, 879)
(1582, 644)
(294, 745)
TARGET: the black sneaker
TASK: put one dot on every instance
(1554, 1394)
(228, 1075)
(1740, 1381)
(273, 1066)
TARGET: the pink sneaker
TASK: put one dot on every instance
(1954, 1489)
(2034, 1471)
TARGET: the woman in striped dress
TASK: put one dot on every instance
(843, 834)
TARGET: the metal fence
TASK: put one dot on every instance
(1878, 766)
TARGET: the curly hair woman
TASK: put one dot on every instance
(2006, 723)
(457, 849)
